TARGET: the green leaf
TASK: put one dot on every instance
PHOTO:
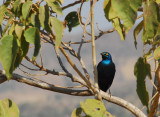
(35, 20)
(8, 108)
(58, 29)
(141, 71)
(44, 17)
(55, 6)
(9, 14)
(76, 112)
(51, 1)
(22, 51)
(119, 27)
(18, 30)
(32, 36)
(24, 46)
(137, 31)
(3, 10)
(126, 10)
(7, 25)
(108, 10)
(60, 1)
(18, 12)
(158, 1)
(111, 15)
(72, 20)
(94, 108)
(10, 47)
(12, 29)
(157, 37)
(148, 55)
(16, 4)
(26, 8)
(157, 53)
(0, 30)
(151, 17)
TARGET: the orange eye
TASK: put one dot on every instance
(107, 54)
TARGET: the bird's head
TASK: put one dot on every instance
(106, 56)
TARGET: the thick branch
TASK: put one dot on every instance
(36, 83)
(123, 103)
(46, 86)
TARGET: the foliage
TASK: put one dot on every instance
(8, 55)
(91, 108)
(141, 70)
(72, 20)
(26, 30)
(157, 53)
(8, 108)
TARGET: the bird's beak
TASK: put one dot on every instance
(102, 54)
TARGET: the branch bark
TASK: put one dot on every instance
(36, 83)
(154, 104)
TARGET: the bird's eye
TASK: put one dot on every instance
(106, 54)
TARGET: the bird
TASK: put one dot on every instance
(106, 71)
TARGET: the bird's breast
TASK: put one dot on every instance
(106, 69)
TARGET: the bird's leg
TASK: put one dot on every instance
(109, 92)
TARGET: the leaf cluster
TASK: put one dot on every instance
(25, 23)
(123, 14)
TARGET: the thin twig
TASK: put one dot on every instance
(73, 78)
(31, 75)
(81, 62)
(60, 61)
(30, 68)
(153, 84)
(41, 58)
(82, 40)
(76, 69)
(96, 37)
(72, 4)
(150, 100)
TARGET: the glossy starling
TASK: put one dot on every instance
(106, 71)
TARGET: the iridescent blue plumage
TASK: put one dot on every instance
(106, 71)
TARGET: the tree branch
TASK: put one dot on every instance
(46, 86)
(96, 37)
(92, 3)
(76, 69)
(123, 103)
(80, 60)
(36, 83)
(72, 4)
(154, 104)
